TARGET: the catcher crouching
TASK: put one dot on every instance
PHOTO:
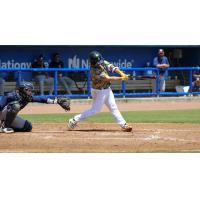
(13, 102)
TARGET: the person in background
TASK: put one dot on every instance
(62, 78)
(42, 77)
(2, 86)
(3, 77)
(195, 81)
(161, 62)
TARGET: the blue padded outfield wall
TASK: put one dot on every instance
(76, 56)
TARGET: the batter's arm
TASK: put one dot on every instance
(124, 76)
(118, 71)
(114, 78)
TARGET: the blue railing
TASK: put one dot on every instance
(156, 72)
(123, 92)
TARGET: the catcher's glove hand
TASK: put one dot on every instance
(64, 102)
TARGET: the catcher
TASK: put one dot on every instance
(101, 91)
(14, 101)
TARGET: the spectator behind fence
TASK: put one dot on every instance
(2, 86)
(195, 81)
(3, 77)
(62, 78)
(42, 77)
(161, 62)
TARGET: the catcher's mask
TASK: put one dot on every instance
(95, 57)
(25, 89)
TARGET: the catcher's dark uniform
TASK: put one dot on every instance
(13, 102)
(10, 105)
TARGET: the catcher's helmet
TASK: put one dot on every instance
(95, 57)
(23, 87)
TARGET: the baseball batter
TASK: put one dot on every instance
(14, 101)
(101, 91)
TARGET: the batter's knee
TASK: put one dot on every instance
(95, 111)
(27, 126)
(113, 107)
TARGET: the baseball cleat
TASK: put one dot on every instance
(126, 128)
(6, 130)
(72, 124)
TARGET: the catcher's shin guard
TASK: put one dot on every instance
(27, 127)
(11, 112)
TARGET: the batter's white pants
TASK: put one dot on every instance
(100, 97)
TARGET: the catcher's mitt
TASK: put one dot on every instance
(64, 102)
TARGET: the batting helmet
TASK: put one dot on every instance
(95, 57)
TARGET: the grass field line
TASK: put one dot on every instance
(47, 132)
(165, 130)
(178, 139)
(156, 130)
(151, 138)
(191, 116)
(130, 137)
(13, 151)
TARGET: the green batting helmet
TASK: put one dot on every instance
(95, 57)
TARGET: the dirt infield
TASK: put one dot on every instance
(104, 138)
(107, 137)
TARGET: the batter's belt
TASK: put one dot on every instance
(101, 88)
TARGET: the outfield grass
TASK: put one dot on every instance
(165, 116)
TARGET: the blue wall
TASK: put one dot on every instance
(76, 56)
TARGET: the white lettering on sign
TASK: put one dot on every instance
(12, 64)
(77, 62)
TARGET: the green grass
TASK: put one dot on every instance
(165, 116)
